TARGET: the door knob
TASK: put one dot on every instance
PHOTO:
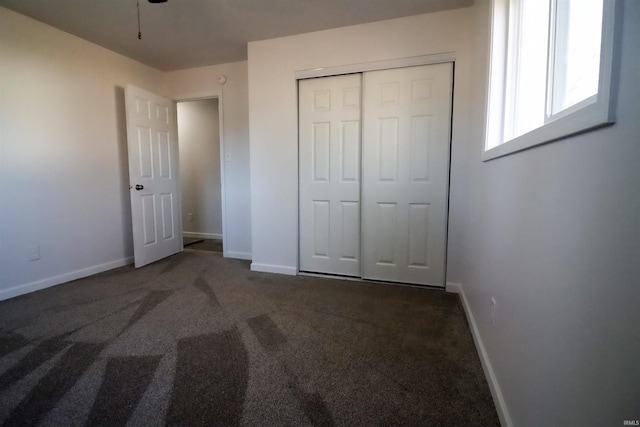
(139, 187)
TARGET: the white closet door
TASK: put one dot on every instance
(406, 134)
(329, 115)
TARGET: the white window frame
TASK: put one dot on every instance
(593, 112)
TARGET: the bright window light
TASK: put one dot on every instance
(576, 60)
(551, 71)
(527, 67)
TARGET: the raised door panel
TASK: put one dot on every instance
(167, 208)
(350, 151)
(349, 248)
(418, 235)
(387, 147)
(165, 162)
(148, 205)
(144, 143)
(385, 219)
(321, 228)
(320, 153)
(420, 137)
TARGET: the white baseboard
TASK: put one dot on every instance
(453, 288)
(270, 268)
(237, 255)
(194, 235)
(498, 399)
(62, 278)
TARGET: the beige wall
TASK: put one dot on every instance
(63, 156)
(202, 82)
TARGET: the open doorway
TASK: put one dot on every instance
(200, 174)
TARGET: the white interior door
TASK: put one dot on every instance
(406, 139)
(329, 123)
(153, 175)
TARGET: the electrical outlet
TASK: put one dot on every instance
(34, 253)
(494, 309)
(190, 216)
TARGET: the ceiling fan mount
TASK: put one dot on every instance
(138, 12)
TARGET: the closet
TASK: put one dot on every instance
(374, 173)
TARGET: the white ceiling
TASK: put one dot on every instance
(190, 33)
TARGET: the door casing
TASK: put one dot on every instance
(216, 95)
(221, 149)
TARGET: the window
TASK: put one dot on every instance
(550, 71)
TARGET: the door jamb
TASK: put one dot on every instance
(215, 94)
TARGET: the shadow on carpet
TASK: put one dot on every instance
(200, 340)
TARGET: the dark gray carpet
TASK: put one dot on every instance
(208, 245)
(199, 340)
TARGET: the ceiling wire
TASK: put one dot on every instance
(138, 9)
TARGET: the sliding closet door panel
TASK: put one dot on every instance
(329, 123)
(406, 139)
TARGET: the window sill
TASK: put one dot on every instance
(586, 119)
